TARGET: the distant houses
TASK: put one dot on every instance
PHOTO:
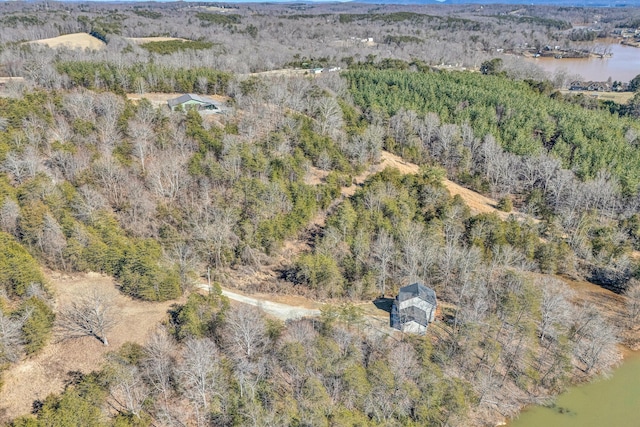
(320, 70)
(191, 101)
(599, 86)
(414, 308)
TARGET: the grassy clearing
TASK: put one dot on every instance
(617, 97)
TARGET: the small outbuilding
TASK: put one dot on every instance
(191, 101)
(414, 308)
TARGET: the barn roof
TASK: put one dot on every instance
(417, 290)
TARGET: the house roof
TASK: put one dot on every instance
(190, 97)
(417, 290)
(413, 313)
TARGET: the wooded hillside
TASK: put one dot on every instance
(280, 191)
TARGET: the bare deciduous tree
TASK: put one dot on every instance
(413, 247)
(53, 241)
(159, 362)
(113, 180)
(595, 342)
(168, 176)
(633, 302)
(215, 234)
(383, 252)
(22, 166)
(403, 362)
(246, 331)
(79, 105)
(10, 338)
(141, 134)
(185, 257)
(555, 309)
(9, 214)
(89, 316)
(87, 202)
(200, 375)
(128, 390)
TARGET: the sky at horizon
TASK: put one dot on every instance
(573, 3)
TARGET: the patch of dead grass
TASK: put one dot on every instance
(45, 373)
(72, 41)
(617, 97)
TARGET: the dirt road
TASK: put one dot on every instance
(276, 309)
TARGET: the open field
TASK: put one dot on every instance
(618, 97)
(72, 41)
(46, 373)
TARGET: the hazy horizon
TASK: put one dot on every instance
(569, 3)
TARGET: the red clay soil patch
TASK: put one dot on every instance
(45, 373)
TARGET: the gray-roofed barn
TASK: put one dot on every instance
(190, 100)
(414, 308)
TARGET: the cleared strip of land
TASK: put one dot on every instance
(72, 41)
(618, 97)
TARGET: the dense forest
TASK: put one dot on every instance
(282, 193)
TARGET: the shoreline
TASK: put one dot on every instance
(628, 348)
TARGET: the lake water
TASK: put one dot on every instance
(623, 66)
(606, 402)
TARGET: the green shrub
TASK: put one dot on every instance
(217, 18)
(172, 46)
(200, 316)
(18, 269)
(36, 329)
(505, 204)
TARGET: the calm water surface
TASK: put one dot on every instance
(624, 65)
(612, 402)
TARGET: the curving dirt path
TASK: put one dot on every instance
(276, 309)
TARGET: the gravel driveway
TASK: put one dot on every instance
(281, 311)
